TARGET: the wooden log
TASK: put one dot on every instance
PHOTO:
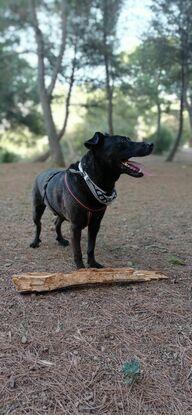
(43, 281)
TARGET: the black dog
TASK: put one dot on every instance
(81, 193)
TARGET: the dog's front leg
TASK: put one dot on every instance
(93, 229)
(76, 244)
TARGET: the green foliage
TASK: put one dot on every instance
(174, 260)
(140, 82)
(34, 121)
(100, 45)
(94, 119)
(18, 98)
(148, 75)
(163, 142)
(7, 156)
(172, 19)
(131, 371)
(18, 84)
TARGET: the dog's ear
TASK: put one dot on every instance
(96, 140)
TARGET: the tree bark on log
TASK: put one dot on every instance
(42, 281)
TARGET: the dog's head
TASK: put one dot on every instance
(115, 152)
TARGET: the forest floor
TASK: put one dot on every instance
(63, 352)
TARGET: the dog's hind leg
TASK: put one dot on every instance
(62, 241)
(38, 211)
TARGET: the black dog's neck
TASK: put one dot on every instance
(102, 175)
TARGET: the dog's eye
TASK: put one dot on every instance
(125, 139)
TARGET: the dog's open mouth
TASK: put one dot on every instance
(132, 168)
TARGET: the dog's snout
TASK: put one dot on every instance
(149, 146)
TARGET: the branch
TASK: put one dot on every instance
(22, 52)
(72, 79)
(61, 51)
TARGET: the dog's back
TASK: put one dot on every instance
(43, 179)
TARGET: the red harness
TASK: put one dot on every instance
(90, 211)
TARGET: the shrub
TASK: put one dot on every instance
(164, 142)
(7, 156)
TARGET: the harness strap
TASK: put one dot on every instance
(45, 193)
(78, 201)
(97, 192)
(90, 211)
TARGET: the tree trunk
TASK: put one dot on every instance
(109, 92)
(108, 86)
(51, 127)
(189, 110)
(43, 157)
(184, 54)
(55, 147)
(46, 155)
(158, 137)
(45, 96)
(172, 153)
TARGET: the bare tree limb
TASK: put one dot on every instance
(59, 59)
(67, 105)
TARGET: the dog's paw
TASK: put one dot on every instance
(79, 265)
(95, 264)
(35, 244)
(62, 241)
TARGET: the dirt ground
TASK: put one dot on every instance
(63, 352)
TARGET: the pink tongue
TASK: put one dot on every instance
(144, 171)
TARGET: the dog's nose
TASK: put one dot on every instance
(151, 145)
